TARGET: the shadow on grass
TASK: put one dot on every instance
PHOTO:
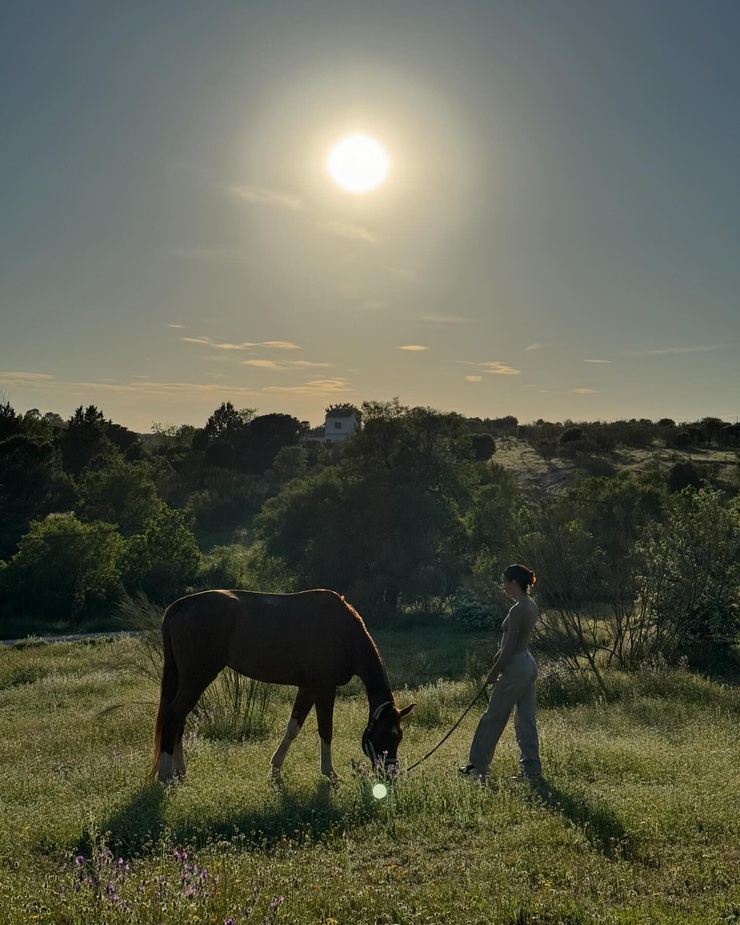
(132, 830)
(139, 828)
(596, 821)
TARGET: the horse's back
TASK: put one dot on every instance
(305, 639)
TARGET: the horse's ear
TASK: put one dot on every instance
(407, 710)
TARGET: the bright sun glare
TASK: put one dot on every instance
(358, 163)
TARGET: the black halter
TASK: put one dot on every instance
(367, 745)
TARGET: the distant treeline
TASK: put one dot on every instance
(411, 514)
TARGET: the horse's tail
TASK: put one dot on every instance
(168, 689)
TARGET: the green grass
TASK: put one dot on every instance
(638, 819)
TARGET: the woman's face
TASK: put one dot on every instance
(506, 585)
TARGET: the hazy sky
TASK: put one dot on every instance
(559, 231)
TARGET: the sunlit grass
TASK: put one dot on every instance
(638, 819)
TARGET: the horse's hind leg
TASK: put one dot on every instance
(172, 757)
(178, 756)
(301, 708)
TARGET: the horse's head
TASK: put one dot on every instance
(383, 735)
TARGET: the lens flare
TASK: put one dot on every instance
(380, 791)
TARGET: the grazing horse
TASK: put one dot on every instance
(313, 640)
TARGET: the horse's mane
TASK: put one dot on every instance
(367, 647)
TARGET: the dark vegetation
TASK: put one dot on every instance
(633, 526)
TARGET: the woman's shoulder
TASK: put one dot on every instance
(525, 607)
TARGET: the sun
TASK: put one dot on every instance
(358, 163)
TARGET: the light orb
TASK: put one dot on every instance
(380, 791)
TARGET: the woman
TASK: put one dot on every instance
(513, 677)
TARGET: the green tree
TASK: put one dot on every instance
(227, 423)
(291, 462)
(162, 560)
(32, 484)
(386, 521)
(484, 446)
(122, 493)
(10, 422)
(85, 439)
(492, 528)
(65, 573)
(690, 575)
(264, 437)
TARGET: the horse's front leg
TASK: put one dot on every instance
(325, 717)
(301, 708)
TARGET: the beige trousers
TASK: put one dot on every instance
(514, 690)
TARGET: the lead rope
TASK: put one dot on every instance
(467, 710)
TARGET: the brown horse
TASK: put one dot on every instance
(313, 640)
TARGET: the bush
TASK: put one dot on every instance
(163, 560)
(471, 613)
(66, 573)
(225, 567)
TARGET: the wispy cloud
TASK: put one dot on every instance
(597, 361)
(676, 351)
(285, 364)
(143, 386)
(244, 345)
(498, 369)
(534, 347)
(261, 195)
(207, 342)
(413, 347)
(474, 378)
(24, 379)
(175, 325)
(262, 364)
(313, 387)
(583, 391)
(345, 230)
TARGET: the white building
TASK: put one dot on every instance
(340, 422)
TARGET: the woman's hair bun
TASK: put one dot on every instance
(522, 575)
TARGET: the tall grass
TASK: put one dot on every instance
(637, 820)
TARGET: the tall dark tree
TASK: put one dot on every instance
(386, 521)
(122, 493)
(10, 422)
(264, 437)
(84, 439)
(32, 484)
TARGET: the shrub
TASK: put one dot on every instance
(225, 567)
(471, 613)
(65, 572)
(163, 560)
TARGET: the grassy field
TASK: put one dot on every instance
(719, 465)
(638, 819)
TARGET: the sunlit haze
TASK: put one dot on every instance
(542, 218)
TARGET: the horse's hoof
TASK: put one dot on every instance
(275, 775)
